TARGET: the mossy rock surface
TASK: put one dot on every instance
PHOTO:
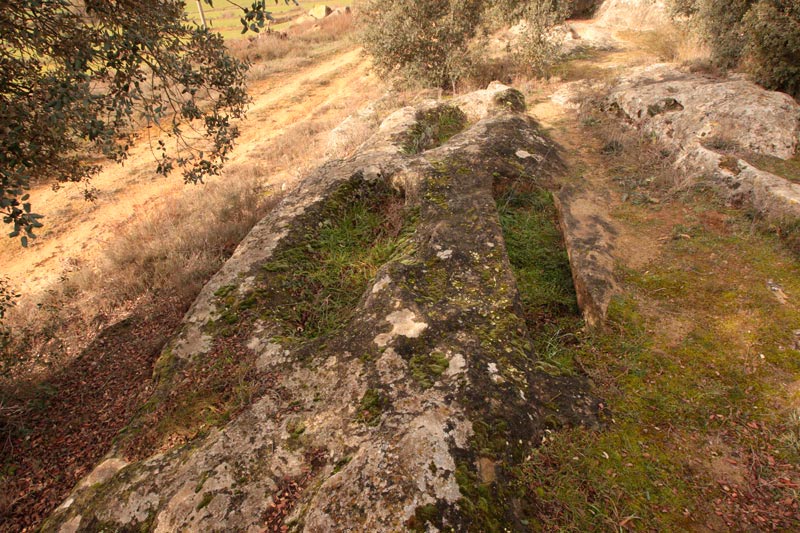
(378, 308)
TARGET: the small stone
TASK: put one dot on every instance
(487, 470)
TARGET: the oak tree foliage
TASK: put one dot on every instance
(421, 40)
(81, 80)
(428, 41)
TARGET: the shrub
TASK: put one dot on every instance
(721, 24)
(538, 48)
(762, 36)
(504, 12)
(583, 8)
(773, 48)
(421, 40)
(683, 8)
(428, 41)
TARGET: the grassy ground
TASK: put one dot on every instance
(694, 369)
(699, 365)
(541, 266)
(225, 18)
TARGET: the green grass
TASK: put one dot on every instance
(536, 251)
(312, 286)
(434, 128)
(670, 393)
(692, 367)
(731, 151)
(544, 279)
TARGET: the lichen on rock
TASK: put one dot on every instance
(712, 126)
(404, 388)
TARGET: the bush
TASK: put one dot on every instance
(421, 40)
(583, 8)
(505, 12)
(538, 48)
(760, 36)
(721, 24)
(428, 40)
(773, 48)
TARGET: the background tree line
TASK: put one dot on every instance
(429, 42)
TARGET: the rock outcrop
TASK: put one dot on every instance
(633, 14)
(408, 410)
(320, 12)
(590, 239)
(705, 119)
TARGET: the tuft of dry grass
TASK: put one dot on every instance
(296, 42)
(670, 43)
(271, 52)
(329, 29)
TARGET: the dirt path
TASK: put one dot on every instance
(75, 231)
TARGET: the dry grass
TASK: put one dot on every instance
(670, 43)
(171, 248)
(298, 41)
(330, 29)
(298, 46)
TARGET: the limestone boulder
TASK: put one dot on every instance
(302, 20)
(427, 392)
(590, 237)
(683, 108)
(633, 14)
(496, 97)
(340, 11)
(702, 119)
(352, 132)
(320, 12)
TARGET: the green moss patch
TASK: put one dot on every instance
(434, 128)
(371, 407)
(314, 281)
(785, 168)
(512, 100)
(203, 503)
(425, 515)
(426, 369)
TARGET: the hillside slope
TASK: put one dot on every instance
(577, 314)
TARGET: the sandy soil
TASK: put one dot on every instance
(75, 231)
